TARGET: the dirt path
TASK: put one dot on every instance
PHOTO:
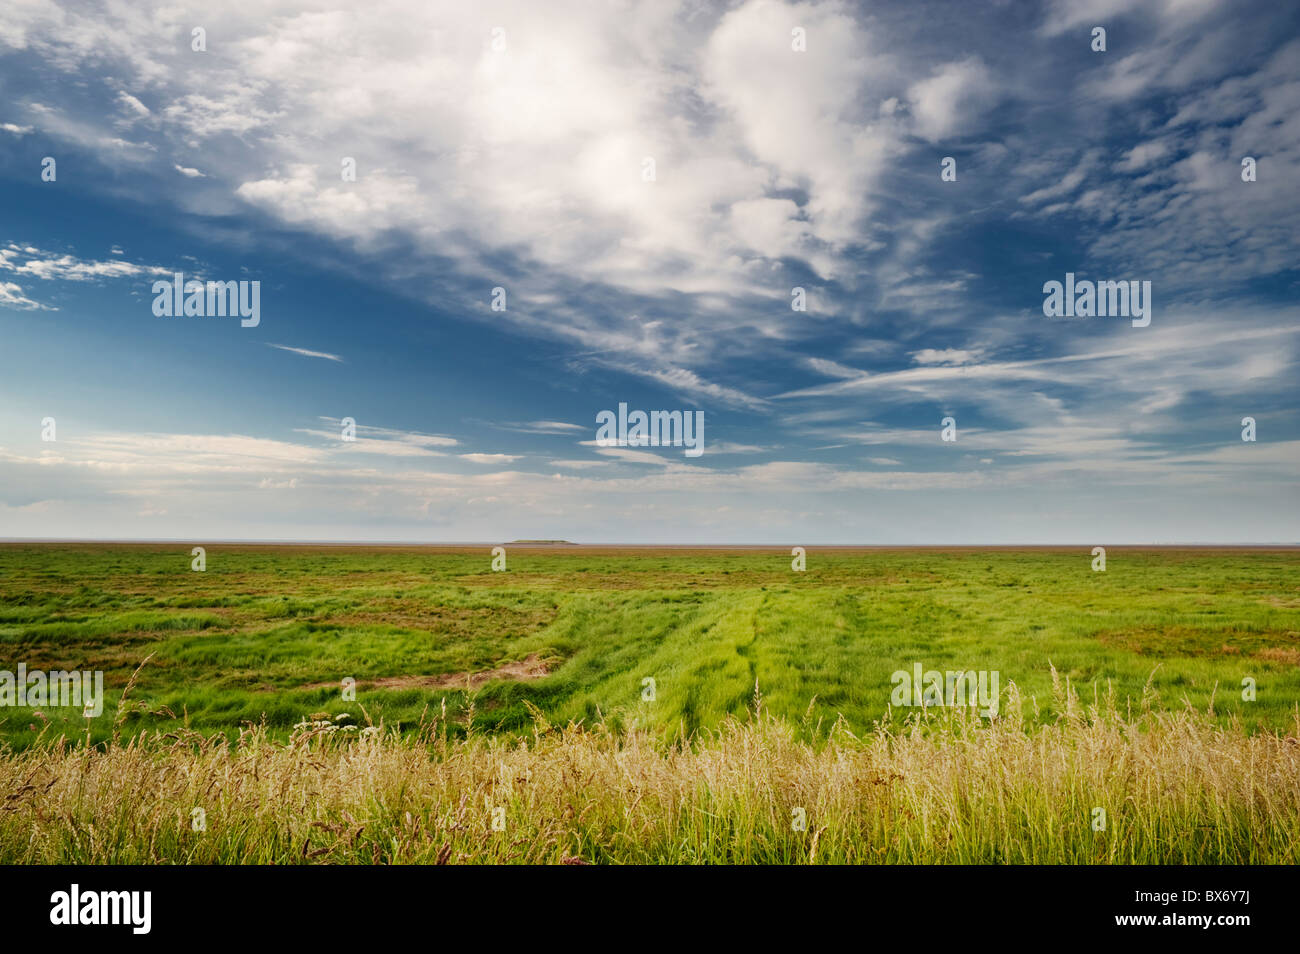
(528, 668)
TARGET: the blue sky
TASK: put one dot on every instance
(520, 164)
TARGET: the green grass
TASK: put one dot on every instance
(246, 640)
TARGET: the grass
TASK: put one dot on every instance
(1175, 787)
(772, 693)
(267, 634)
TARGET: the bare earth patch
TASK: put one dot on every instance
(1172, 641)
(530, 667)
(1280, 654)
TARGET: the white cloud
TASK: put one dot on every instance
(1065, 183)
(551, 427)
(763, 155)
(1209, 355)
(12, 296)
(491, 458)
(833, 369)
(951, 101)
(1143, 155)
(947, 356)
(632, 456)
(1063, 15)
(580, 464)
(305, 352)
(382, 441)
(35, 263)
(138, 108)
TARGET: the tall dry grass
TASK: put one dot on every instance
(1176, 788)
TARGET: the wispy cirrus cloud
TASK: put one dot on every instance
(305, 352)
(490, 458)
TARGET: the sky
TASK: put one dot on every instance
(647, 183)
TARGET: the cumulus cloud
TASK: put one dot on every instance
(949, 103)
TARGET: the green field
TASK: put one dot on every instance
(266, 634)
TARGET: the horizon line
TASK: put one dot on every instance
(567, 544)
